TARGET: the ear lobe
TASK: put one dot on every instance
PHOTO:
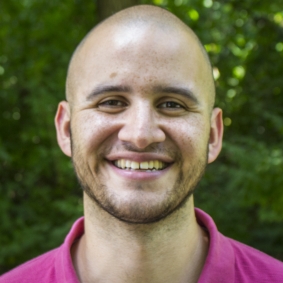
(62, 123)
(216, 134)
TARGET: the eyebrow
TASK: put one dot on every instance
(107, 88)
(187, 93)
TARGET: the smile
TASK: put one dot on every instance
(151, 165)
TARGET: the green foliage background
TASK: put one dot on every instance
(242, 190)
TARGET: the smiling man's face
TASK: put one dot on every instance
(141, 119)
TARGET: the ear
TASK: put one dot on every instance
(216, 134)
(62, 123)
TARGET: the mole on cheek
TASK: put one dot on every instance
(113, 75)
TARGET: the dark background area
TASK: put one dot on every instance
(242, 190)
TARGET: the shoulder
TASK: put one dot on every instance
(255, 265)
(231, 261)
(40, 269)
(53, 266)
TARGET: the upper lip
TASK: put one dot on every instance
(139, 157)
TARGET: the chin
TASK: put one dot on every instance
(140, 206)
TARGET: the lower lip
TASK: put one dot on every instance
(139, 175)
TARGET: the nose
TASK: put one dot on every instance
(141, 127)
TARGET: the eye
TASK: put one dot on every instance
(172, 107)
(170, 104)
(112, 103)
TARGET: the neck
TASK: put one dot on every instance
(171, 250)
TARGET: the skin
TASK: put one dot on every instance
(126, 99)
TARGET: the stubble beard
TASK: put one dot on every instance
(138, 211)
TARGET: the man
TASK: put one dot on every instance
(140, 127)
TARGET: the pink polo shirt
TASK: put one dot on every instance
(228, 261)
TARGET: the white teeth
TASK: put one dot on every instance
(135, 165)
(128, 163)
(144, 165)
(152, 165)
(156, 164)
(123, 163)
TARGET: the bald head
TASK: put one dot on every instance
(130, 23)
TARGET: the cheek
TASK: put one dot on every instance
(90, 131)
(190, 136)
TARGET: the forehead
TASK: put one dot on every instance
(143, 40)
(139, 55)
